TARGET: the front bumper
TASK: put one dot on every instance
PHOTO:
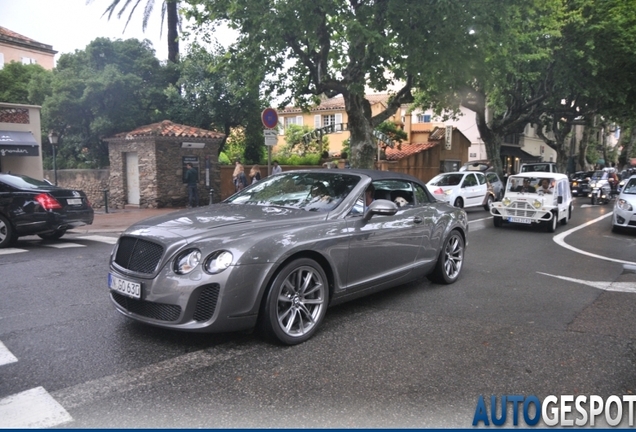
(624, 218)
(521, 212)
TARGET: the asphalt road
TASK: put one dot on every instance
(532, 314)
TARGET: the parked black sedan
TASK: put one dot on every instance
(35, 207)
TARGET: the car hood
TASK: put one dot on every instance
(225, 219)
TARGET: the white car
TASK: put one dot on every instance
(535, 198)
(625, 206)
(462, 189)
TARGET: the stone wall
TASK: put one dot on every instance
(92, 182)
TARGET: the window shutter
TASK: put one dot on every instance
(339, 122)
(281, 126)
(316, 121)
(299, 120)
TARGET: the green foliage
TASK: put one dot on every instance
(294, 159)
(15, 82)
(110, 87)
(294, 143)
(393, 131)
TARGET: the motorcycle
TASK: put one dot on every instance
(601, 192)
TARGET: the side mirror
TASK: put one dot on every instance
(560, 199)
(380, 207)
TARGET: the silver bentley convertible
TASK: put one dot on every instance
(275, 255)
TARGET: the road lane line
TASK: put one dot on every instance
(33, 408)
(560, 240)
(629, 287)
(64, 245)
(110, 386)
(9, 251)
(5, 355)
(98, 238)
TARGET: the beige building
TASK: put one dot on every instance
(21, 49)
(20, 140)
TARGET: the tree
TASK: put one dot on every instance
(511, 71)
(209, 96)
(110, 87)
(15, 79)
(170, 8)
(333, 47)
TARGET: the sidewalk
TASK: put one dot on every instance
(117, 220)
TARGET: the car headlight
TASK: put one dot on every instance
(187, 261)
(592, 184)
(218, 261)
(624, 205)
(506, 201)
(536, 204)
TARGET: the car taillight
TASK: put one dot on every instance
(48, 202)
(439, 191)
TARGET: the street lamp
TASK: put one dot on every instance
(53, 140)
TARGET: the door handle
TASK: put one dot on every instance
(417, 219)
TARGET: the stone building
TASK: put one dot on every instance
(147, 165)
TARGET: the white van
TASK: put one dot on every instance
(541, 198)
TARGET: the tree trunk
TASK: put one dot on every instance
(173, 30)
(362, 142)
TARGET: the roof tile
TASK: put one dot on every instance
(167, 128)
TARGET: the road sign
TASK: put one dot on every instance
(269, 116)
(271, 136)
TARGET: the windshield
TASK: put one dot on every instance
(300, 190)
(630, 186)
(25, 182)
(446, 180)
(541, 185)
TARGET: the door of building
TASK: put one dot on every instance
(132, 178)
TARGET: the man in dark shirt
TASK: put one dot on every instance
(191, 178)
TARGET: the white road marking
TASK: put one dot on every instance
(629, 287)
(560, 240)
(9, 251)
(111, 386)
(98, 238)
(5, 355)
(64, 245)
(479, 220)
(33, 408)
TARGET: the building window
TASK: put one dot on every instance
(423, 118)
(28, 60)
(1, 60)
(328, 120)
(512, 139)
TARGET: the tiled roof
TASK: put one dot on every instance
(336, 103)
(11, 37)
(168, 129)
(408, 150)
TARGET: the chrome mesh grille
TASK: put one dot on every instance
(519, 209)
(138, 255)
(206, 304)
(158, 311)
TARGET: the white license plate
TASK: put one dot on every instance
(74, 201)
(131, 289)
(519, 220)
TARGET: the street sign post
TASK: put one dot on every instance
(269, 117)
(271, 137)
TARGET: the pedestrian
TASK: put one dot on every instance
(255, 173)
(238, 176)
(276, 169)
(191, 179)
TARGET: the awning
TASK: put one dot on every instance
(513, 151)
(13, 143)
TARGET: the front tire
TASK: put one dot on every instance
(450, 260)
(459, 203)
(7, 235)
(593, 199)
(552, 224)
(296, 302)
(497, 221)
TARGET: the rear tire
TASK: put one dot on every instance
(450, 260)
(296, 302)
(567, 217)
(7, 234)
(56, 235)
